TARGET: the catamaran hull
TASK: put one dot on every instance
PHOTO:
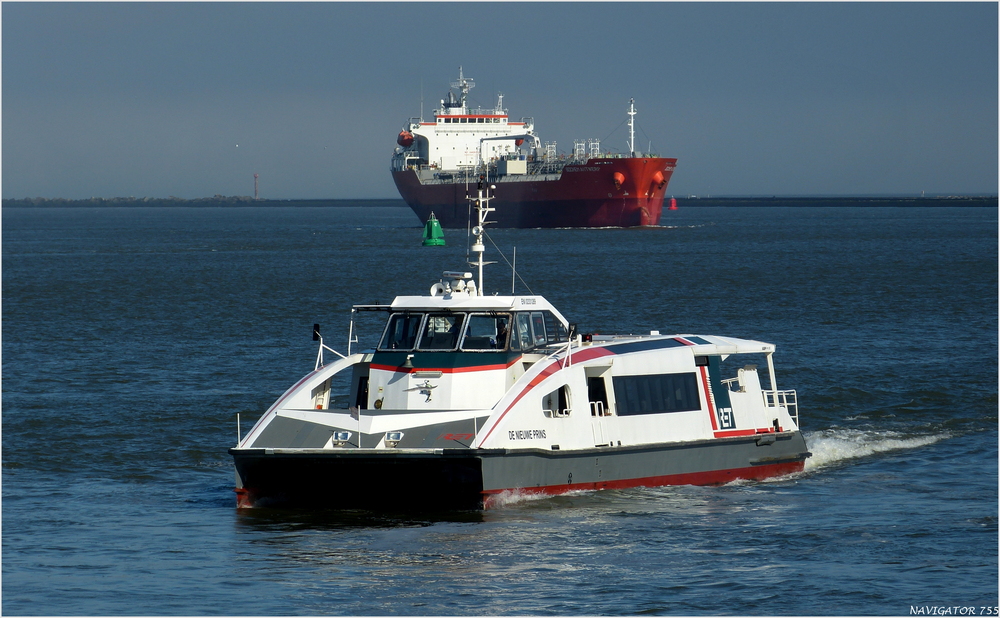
(477, 478)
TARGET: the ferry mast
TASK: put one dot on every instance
(482, 204)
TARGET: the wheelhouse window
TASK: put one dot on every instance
(655, 394)
(555, 332)
(401, 331)
(428, 331)
(486, 332)
(441, 332)
(524, 338)
(537, 329)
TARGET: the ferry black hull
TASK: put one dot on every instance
(586, 195)
(478, 478)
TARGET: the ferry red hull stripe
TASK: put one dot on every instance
(710, 477)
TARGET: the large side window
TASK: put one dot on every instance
(441, 331)
(486, 332)
(655, 394)
(401, 331)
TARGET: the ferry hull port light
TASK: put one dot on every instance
(392, 438)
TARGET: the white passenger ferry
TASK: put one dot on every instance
(469, 397)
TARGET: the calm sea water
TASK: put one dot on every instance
(132, 339)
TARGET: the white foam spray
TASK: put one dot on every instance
(831, 446)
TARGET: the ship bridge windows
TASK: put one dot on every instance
(401, 331)
(467, 120)
(537, 329)
(477, 331)
(486, 332)
(441, 331)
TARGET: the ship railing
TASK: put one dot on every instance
(783, 399)
(403, 160)
(597, 408)
(323, 346)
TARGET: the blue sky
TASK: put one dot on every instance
(152, 99)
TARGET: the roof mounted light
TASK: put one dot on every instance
(340, 438)
(392, 438)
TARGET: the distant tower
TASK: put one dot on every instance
(255, 186)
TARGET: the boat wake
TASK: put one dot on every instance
(833, 446)
(510, 497)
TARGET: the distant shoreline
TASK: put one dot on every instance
(220, 201)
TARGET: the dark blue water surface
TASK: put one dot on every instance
(132, 339)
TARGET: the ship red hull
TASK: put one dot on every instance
(621, 192)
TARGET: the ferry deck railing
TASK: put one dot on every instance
(783, 399)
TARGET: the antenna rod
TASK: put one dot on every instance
(631, 126)
(513, 271)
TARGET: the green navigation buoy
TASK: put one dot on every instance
(433, 234)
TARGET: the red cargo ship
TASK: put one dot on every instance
(438, 163)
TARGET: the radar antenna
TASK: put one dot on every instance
(464, 86)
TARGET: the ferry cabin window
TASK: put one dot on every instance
(557, 403)
(441, 331)
(655, 394)
(401, 331)
(486, 332)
